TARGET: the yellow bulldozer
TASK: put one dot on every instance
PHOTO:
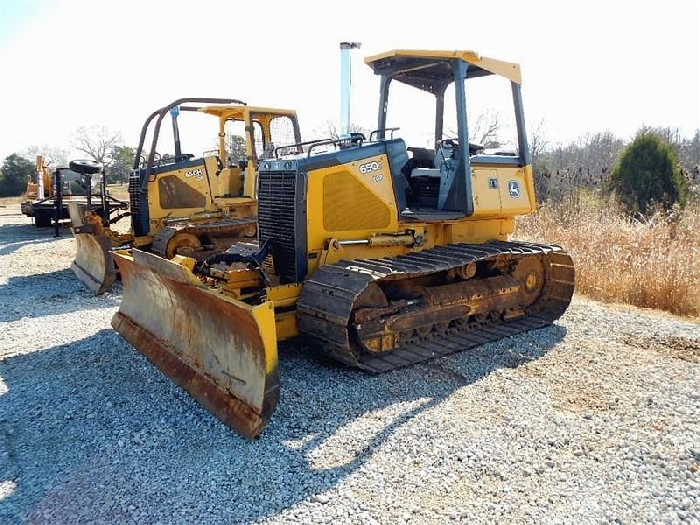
(181, 203)
(378, 254)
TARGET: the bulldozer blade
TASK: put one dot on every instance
(222, 351)
(93, 263)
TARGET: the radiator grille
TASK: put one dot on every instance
(276, 220)
(135, 202)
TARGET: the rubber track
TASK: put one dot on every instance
(216, 229)
(326, 303)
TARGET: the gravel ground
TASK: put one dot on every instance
(592, 420)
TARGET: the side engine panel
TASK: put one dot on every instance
(502, 191)
(351, 200)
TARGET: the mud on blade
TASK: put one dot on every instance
(222, 351)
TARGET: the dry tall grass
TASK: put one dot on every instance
(7, 202)
(652, 263)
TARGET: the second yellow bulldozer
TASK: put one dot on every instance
(379, 254)
(181, 203)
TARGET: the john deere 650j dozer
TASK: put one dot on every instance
(184, 204)
(381, 255)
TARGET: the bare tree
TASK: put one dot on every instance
(53, 156)
(538, 147)
(672, 135)
(689, 155)
(538, 140)
(329, 129)
(97, 142)
(484, 129)
(602, 151)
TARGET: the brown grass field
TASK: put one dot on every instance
(119, 191)
(10, 202)
(651, 263)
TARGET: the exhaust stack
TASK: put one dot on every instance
(345, 84)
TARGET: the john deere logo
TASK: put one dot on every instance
(514, 188)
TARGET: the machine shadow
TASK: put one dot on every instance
(94, 432)
(52, 293)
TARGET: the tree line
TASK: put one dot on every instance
(560, 169)
(663, 167)
(97, 143)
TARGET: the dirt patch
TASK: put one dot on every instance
(574, 390)
(586, 400)
(672, 346)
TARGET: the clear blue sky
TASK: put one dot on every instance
(588, 66)
(16, 14)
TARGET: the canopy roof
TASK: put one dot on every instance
(432, 70)
(237, 112)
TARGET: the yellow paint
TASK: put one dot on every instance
(283, 295)
(492, 198)
(349, 203)
(344, 203)
(187, 262)
(495, 208)
(286, 325)
(477, 232)
(509, 70)
(264, 316)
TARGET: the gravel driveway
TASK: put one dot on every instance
(592, 420)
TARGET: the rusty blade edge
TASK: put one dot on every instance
(226, 407)
(95, 285)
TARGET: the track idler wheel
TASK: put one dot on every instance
(184, 244)
(531, 275)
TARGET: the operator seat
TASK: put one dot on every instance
(445, 167)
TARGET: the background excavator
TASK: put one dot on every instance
(379, 254)
(181, 203)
